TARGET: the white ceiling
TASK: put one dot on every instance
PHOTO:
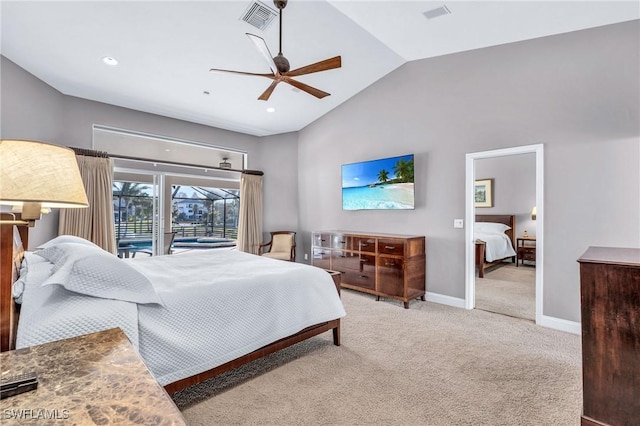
(165, 49)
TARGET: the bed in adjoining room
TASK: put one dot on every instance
(494, 237)
(191, 316)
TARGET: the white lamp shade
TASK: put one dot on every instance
(534, 213)
(36, 172)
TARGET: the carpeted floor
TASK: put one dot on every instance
(508, 290)
(428, 365)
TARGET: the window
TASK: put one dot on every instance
(164, 184)
(208, 212)
(196, 211)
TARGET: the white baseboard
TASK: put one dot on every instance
(546, 321)
(444, 300)
(561, 324)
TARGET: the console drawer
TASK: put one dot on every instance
(320, 239)
(360, 279)
(321, 258)
(391, 247)
(364, 244)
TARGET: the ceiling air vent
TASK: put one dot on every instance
(259, 15)
(438, 11)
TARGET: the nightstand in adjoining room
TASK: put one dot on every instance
(525, 250)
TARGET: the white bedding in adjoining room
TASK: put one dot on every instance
(202, 309)
(497, 245)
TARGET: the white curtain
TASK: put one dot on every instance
(250, 220)
(94, 223)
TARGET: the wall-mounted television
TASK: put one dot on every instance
(384, 184)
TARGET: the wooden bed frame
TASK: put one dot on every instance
(11, 254)
(509, 220)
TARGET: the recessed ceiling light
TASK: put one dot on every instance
(110, 61)
(438, 11)
(206, 92)
(167, 150)
(271, 109)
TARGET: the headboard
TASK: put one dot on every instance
(507, 219)
(11, 253)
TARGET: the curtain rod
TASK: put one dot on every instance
(89, 152)
(197, 166)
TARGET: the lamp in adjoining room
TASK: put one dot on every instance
(37, 176)
(534, 212)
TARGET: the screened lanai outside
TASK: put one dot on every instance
(200, 217)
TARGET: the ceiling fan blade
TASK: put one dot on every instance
(261, 45)
(215, 70)
(305, 87)
(327, 64)
(269, 91)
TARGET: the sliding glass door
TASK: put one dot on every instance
(138, 212)
(150, 206)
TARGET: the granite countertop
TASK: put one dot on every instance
(92, 379)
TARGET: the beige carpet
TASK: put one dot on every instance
(508, 290)
(428, 365)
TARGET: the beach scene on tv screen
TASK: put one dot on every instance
(386, 183)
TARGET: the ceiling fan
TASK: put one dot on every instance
(280, 69)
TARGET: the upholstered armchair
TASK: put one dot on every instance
(281, 246)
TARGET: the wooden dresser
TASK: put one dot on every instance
(610, 306)
(381, 264)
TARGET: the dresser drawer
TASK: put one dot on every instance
(363, 244)
(321, 258)
(339, 241)
(341, 260)
(360, 279)
(391, 276)
(391, 247)
(321, 239)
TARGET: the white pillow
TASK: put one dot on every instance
(95, 272)
(491, 227)
(66, 239)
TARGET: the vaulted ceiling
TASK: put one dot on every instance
(165, 49)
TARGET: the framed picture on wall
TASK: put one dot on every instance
(483, 193)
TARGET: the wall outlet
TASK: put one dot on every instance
(458, 223)
(306, 256)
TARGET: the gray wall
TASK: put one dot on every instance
(280, 195)
(577, 93)
(514, 188)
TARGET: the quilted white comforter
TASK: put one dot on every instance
(497, 246)
(217, 305)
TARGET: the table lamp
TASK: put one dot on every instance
(37, 176)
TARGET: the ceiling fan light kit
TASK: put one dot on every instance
(280, 67)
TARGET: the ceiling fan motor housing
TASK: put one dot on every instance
(282, 63)
(280, 4)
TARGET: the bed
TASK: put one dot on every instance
(191, 316)
(494, 237)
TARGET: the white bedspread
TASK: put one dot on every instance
(498, 246)
(218, 305)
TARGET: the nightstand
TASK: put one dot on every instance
(526, 250)
(97, 378)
